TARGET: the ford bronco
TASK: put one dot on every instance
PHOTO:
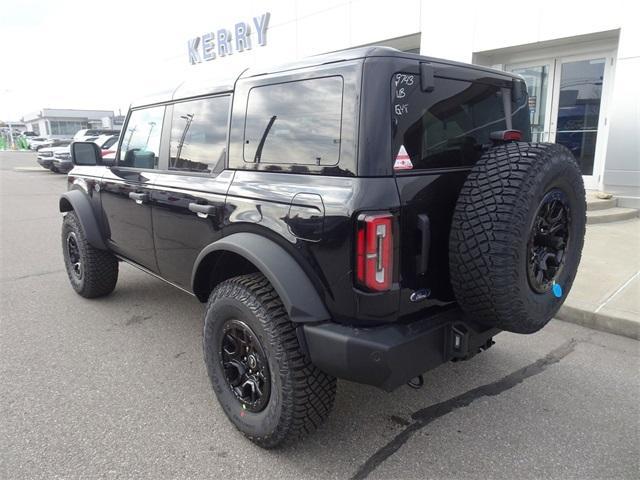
(366, 215)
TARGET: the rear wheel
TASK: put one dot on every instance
(517, 235)
(266, 385)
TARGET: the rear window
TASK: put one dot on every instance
(448, 126)
(295, 122)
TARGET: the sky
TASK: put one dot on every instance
(88, 55)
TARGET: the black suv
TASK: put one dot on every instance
(366, 215)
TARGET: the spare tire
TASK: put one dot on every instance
(517, 234)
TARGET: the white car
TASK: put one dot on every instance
(107, 143)
(36, 142)
(46, 155)
(90, 134)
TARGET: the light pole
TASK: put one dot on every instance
(11, 144)
(189, 118)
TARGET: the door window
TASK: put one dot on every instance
(199, 134)
(141, 139)
(579, 99)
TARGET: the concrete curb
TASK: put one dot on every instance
(600, 321)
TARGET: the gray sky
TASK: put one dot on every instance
(73, 54)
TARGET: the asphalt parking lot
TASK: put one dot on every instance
(116, 387)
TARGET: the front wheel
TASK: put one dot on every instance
(266, 385)
(92, 272)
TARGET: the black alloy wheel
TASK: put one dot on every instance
(75, 259)
(548, 241)
(92, 272)
(264, 381)
(245, 365)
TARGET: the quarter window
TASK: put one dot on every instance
(141, 139)
(199, 134)
(295, 123)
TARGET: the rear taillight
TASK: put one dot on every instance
(106, 152)
(374, 251)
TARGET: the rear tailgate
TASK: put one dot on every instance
(440, 127)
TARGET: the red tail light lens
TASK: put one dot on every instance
(506, 136)
(106, 152)
(374, 251)
(512, 135)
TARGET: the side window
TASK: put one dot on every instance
(199, 134)
(295, 123)
(141, 138)
(109, 143)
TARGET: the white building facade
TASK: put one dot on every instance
(64, 123)
(581, 59)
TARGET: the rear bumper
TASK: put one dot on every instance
(391, 355)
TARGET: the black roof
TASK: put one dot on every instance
(205, 83)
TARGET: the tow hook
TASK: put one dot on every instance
(416, 382)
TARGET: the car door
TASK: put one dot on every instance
(189, 196)
(126, 188)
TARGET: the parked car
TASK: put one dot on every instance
(46, 155)
(82, 135)
(55, 142)
(62, 158)
(36, 142)
(62, 161)
(107, 143)
(367, 214)
(29, 134)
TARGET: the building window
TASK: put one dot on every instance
(199, 134)
(62, 127)
(295, 122)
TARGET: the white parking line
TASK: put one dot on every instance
(30, 169)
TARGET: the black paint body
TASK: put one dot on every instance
(309, 211)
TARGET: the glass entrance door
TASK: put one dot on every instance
(566, 99)
(577, 118)
(537, 78)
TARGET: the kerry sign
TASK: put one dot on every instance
(225, 42)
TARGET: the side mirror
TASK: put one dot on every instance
(85, 154)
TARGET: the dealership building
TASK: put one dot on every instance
(581, 60)
(64, 123)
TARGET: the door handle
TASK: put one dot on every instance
(202, 210)
(139, 198)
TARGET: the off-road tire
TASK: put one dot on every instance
(301, 395)
(492, 221)
(99, 267)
